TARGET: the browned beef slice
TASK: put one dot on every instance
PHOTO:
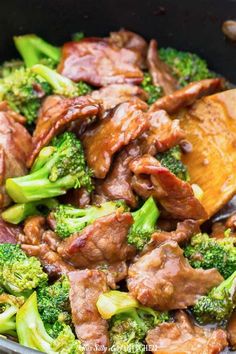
(123, 124)
(130, 40)
(187, 95)
(80, 198)
(15, 146)
(114, 272)
(56, 114)
(112, 95)
(160, 72)
(183, 336)
(231, 329)
(104, 241)
(117, 184)
(176, 196)
(164, 279)
(91, 329)
(100, 63)
(8, 233)
(10, 113)
(33, 230)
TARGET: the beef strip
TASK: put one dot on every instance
(183, 336)
(112, 95)
(56, 114)
(160, 71)
(133, 41)
(187, 95)
(34, 228)
(10, 113)
(15, 145)
(117, 184)
(104, 241)
(114, 273)
(164, 279)
(176, 196)
(163, 133)
(100, 63)
(123, 124)
(80, 198)
(9, 233)
(231, 329)
(91, 329)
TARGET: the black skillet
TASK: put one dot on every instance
(184, 24)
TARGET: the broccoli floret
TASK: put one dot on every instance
(35, 50)
(9, 305)
(185, 66)
(24, 91)
(171, 159)
(154, 92)
(32, 333)
(19, 212)
(54, 306)
(19, 274)
(70, 219)
(58, 167)
(218, 305)
(61, 85)
(77, 36)
(129, 321)
(8, 67)
(207, 252)
(144, 224)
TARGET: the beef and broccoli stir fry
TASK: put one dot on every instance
(114, 154)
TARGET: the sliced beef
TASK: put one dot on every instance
(56, 114)
(160, 71)
(103, 242)
(183, 336)
(123, 124)
(9, 233)
(33, 230)
(163, 133)
(15, 146)
(231, 329)
(10, 113)
(91, 329)
(176, 196)
(164, 279)
(112, 95)
(117, 184)
(100, 63)
(114, 273)
(80, 198)
(133, 41)
(187, 95)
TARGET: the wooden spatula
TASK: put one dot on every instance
(210, 126)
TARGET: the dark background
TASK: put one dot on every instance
(184, 24)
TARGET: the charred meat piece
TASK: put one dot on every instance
(117, 184)
(79, 198)
(104, 241)
(15, 146)
(187, 95)
(184, 337)
(231, 329)
(56, 114)
(33, 230)
(123, 124)
(112, 95)
(91, 329)
(164, 279)
(9, 233)
(160, 72)
(100, 63)
(176, 196)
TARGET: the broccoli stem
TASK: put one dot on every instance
(7, 320)
(228, 285)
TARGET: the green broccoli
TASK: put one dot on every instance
(19, 212)
(8, 67)
(185, 66)
(32, 333)
(61, 85)
(54, 306)
(35, 50)
(129, 321)
(58, 167)
(144, 224)
(218, 305)
(70, 219)
(154, 92)
(19, 274)
(9, 305)
(171, 159)
(207, 252)
(24, 91)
